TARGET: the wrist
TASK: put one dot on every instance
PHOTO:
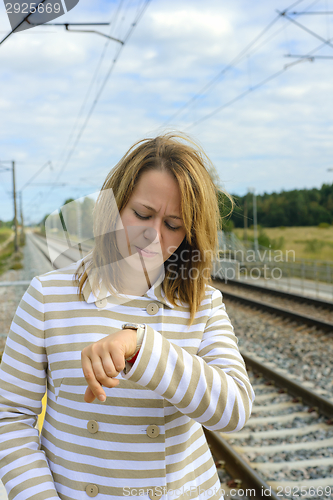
(139, 329)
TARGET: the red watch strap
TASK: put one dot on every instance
(134, 357)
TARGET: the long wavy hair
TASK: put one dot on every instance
(186, 161)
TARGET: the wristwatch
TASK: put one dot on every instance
(140, 331)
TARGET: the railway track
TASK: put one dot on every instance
(252, 287)
(258, 299)
(286, 449)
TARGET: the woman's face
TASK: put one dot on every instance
(152, 220)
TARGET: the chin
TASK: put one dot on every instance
(151, 264)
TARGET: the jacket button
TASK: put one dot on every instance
(155, 493)
(92, 426)
(152, 308)
(153, 431)
(101, 303)
(92, 490)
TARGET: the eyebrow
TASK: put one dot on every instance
(153, 210)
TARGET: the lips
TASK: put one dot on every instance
(146, 253)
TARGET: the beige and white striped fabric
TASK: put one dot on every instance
(146, 441)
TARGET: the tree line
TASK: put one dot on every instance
(299, 207)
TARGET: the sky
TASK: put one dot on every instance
(68, 111)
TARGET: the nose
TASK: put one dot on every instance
(152, 235)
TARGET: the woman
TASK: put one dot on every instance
(138, 323)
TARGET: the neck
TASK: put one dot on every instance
(136, 282)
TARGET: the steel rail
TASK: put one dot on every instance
(65, 253)
(237, 467)
(234, 463)
(300, 318)
(279, 293)
(308, 397)
(84, 247)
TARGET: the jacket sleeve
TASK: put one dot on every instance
(23, 465)
(212, 387)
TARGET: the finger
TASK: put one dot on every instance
(92, 382)
(100, 374)
(108, 365)
(118, 359)
(89, 396)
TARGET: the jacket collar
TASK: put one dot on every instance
(155, 293)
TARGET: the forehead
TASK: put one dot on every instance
(158, 187)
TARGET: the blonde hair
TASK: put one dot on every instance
(186, 161)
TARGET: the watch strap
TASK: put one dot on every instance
(140, 331)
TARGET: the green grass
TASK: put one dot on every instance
(310, 242)
(9, 259)
(5, 233)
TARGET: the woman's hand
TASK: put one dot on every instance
(104, 360)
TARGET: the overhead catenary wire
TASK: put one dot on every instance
(324, 12)
(235, 61)
(308, 57)
(255, 87)
(48, 163)
(23, 20)
(216, 78)
(100, 91)
(3, 187)
(5, 169)
(93, 79)
(327, 42)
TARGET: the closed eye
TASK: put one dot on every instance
(143, 217)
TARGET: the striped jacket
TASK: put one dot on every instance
(146, 440)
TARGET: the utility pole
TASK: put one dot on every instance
(21, 216)
(255, 224)
(15, 212)
(245, 220)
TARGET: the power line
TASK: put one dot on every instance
(216, 78)
(25, 19)
(4, 189)
(112, 22)
(255, 87)
(309, 13)
(307, 57)
(235, 61)
(237, 98)
(36, 174)
(100, 91)
(92, 81)
(327, 42)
